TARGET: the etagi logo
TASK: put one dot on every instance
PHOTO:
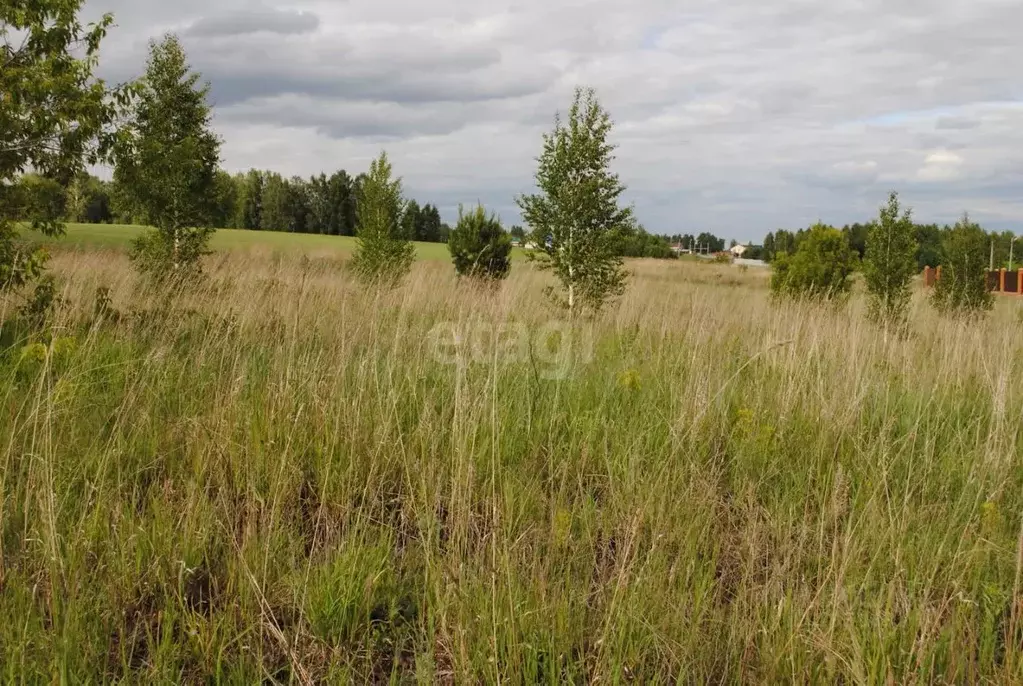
(553, 349)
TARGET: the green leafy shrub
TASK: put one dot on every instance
(166, 257)
(32, 355)
(962, 288)
(638, 242)
(41, 303)
(819, 269)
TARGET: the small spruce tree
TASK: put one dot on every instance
(890, 263)
(480, 247)
(167, 159)
(382, 253)
(411, 220)
(962, 289)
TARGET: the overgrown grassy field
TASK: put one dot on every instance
(120, 236)
(283, 476)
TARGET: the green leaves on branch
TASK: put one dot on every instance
(480, 248)
(19, 263)
(167, 159)
(383, 254)
(54, 115)
(575, 219)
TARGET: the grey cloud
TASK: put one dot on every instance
(239, 23)
(956, 123)
(738, 117)
(234, 84)
(341, 119)
(407, 67)
(380, 120)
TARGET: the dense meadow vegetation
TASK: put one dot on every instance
(283, 475)
(243, 456)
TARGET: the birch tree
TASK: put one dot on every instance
(575, 220)
(167, 160)
(890, 263)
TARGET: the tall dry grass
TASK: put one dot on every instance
(274, 477)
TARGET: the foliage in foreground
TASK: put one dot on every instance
(480, 247)
(819, 269)
(261, 484)
(383, 254)
(53, 117)
(167, 157)
(575, 221)
(962, 288)
(889, 264)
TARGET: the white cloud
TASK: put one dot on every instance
(943, 158)
(737, 117)
(940, 166)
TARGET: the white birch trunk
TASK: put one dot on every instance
(571, 273)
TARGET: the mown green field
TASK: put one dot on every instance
(121, 236)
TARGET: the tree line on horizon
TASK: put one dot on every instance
(258, 200)
(818, 263)
(263, 200)
(928, 238)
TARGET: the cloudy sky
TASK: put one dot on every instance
(737, 116)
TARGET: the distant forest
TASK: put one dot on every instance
(260, 200)
(928, 236)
